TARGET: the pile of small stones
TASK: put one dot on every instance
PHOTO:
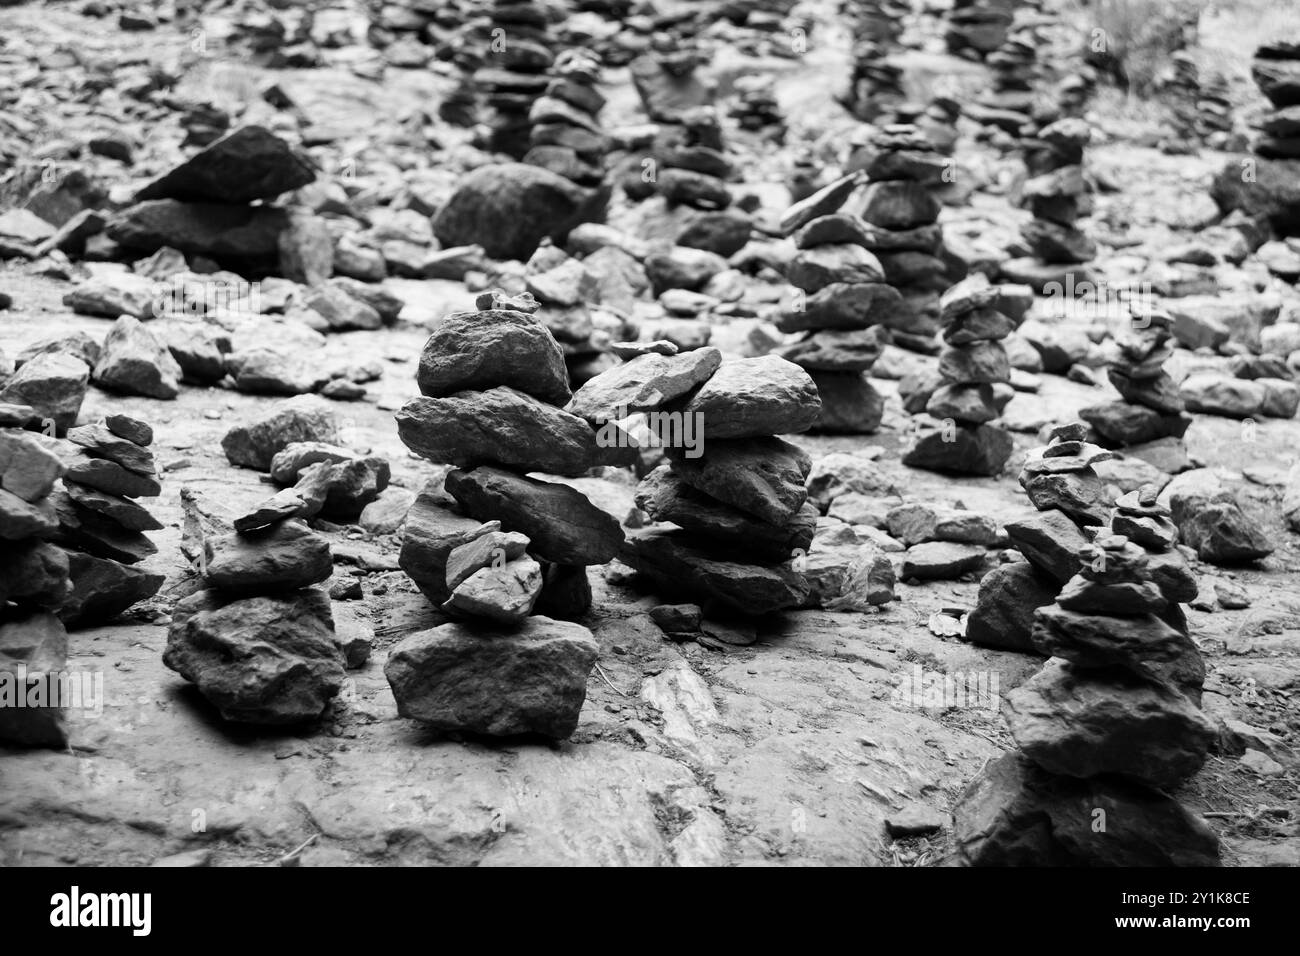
(1276, 70)
(33, 586)
(1057, 196)
(514, 73)
(972, 365)
(838, 314)
(100, 524)
(900, 203)
(739, 497)
(566, 135)
(491, 547)
(256, 638)
(1110, 725)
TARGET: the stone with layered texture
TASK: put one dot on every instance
(531, 679)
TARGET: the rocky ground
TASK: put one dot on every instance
(787, 744)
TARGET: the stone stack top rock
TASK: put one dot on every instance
(514, 73)
(247, 164)
(1276, 70)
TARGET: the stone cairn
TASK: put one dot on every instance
(972, 365)
(1111, 723)
(756, 109)
(257, 639)
(1057, 196)
(740, 498)
(693, 170)
(1069, 495)
(1151, 406)
(566, 135)
(33, 585)
(1008, 105)
(875, 90)
(1276, 70)
(503, 553)
(1201, 104)
(514, 74)
(842, 293)
(901, 207)
(100, 524)
(979, 27)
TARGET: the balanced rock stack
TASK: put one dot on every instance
(971, 367)
(1150, 408)
(566, 135)
(1069, 495)
(694, 168)
(33, 585)
(490, 545)
(514, 74)
(900, 204)
(257, 639)
(1181, 86)
(1008, 105)
(101, 525)
(1276, 70)
(739, 494)
(756, 108)
(979, 26)
(1214, 111)
(217, 204)
(1112, 722)
(875, 91)
(844, 296)
(1057, 197)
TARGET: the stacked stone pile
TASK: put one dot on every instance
(514, 73)
(693, 167)
(900, 203)
(1114, 717)
(979, 27)
(566, 135)
(1057, 196)
(33, 586)
(1065, 488)
(1151, 406)
(971, 367)
(736, 492)
(1276, 70)
(489, 544)
(756, 108)
(875, 90)
(838, 310)
(1008, 105)
(47, 390)
(1268, 189)
(101, 525)
(257, 639)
